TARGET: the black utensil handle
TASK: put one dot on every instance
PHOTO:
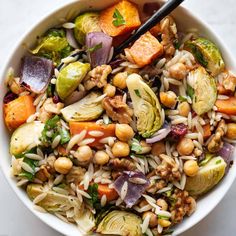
(165, 10)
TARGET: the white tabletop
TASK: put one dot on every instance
(16, 16)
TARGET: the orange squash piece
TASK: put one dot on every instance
(146, 49)
(18, 111)
(227, 106)
(128, 11)
(206, 131)
(110, 193)
(78, 127)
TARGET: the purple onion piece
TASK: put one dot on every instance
(158, 136)
(71, 39)
(101, 55)
(9, 97)
(226, 152)
(137, 183)
(116, 63)
(177, 132)
(36, 73)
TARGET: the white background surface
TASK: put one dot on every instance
(16, 16)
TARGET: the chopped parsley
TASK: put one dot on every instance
(182, 99)
(118, 18)
(93, 192)
(95, 48)
(163, 217)
(218, 162)
(137, 92)
(190, 91)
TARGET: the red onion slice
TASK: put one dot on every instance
(100, 56)
(71, 39)
(226, 152)
(36, 73)
(161, 134)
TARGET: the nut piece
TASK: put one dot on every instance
(48, 109)
(191, 168)
(184, 205)
(216, 142)
(75, 175)
(178, 71)
(169, 35)
(97, 77)
(168, 169)
(229, 83)
(122, 164)
(117, 110)
(44, 173)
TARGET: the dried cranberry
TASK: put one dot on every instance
(56, 99)
(9, 97)
(177, 132)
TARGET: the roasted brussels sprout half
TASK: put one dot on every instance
(70, 77)
(207, 54)
(26, 136)
(88, 108)
(208, 176)
(86, 23)
(120, 223)
(204, 90)
(53, 45)
(53, 202)
(146, 106)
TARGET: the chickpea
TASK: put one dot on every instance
(178, 71)
(162, 203)
(231, 131)
(124, 132)
(184, 109)
(158, 148)
(120, 149)
(63, 165)
(101, 158)
(168, 99)
(119, 80)
(110, 90)
(146, 148)
(185, 146)
(153, 218)
(191, 168)
(83, 154)
(164, 223)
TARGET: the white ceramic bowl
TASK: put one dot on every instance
(185, 20)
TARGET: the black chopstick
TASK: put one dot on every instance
(165, 10)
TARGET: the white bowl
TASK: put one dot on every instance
(185, 20)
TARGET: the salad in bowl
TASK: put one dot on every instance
(125, 144)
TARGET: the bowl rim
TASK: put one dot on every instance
(43, 18)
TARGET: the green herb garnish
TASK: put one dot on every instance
(118, 18)
(93, 192)
(218, 162)
(163, 217)
(137, 92)
(95, 48)
(182, 99)
(190, 91)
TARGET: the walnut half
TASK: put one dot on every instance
(97, 77)
(216, 142)
(168, 169)
(117, 110)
